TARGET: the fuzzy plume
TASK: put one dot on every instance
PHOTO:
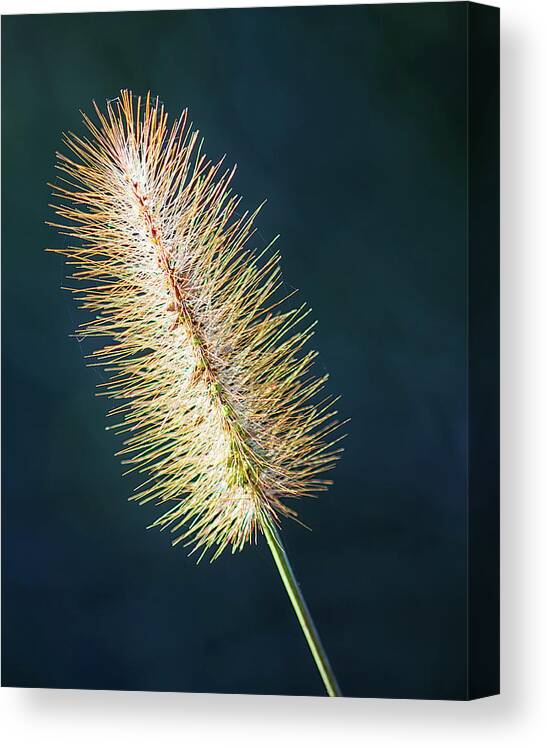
(218, 405)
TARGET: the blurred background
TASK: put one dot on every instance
(351, 122)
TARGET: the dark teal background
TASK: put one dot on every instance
(352, 122)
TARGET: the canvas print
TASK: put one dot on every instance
(250, 281)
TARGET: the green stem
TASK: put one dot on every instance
(301, 610)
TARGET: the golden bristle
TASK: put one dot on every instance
(219, 406)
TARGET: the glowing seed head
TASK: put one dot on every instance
(218, 407)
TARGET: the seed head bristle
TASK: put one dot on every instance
(219, 406)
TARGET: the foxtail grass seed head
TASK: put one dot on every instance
(217, 402)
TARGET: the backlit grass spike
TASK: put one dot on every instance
(210, 367)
